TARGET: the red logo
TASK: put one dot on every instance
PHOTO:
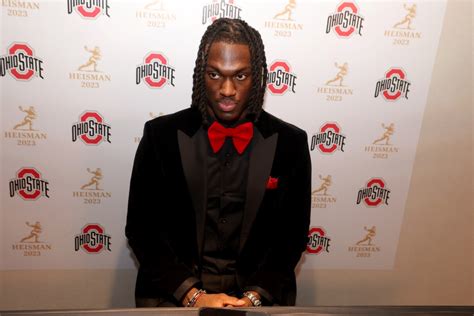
(317, 241)
(155, 71)
(280, 79)
(88, 9)
(346, 20)
(93, 239)
(374, 194)
(29, 185)
(21, 63)
(329, 139)
(394, 85)
(220, 9)
(91, 129)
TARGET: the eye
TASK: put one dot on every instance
(241, 77)
(213, 75)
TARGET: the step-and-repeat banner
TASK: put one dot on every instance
(79, 78)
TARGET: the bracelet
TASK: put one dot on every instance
(195, 297)
(253, 298)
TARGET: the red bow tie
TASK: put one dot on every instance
(241, 136)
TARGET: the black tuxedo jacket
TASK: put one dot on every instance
(167, 206)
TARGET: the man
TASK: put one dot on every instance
(220, 193)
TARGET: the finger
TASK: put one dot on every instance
(234, 302)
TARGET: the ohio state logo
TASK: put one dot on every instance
(88, 9)
(29, 184)
(393, 86)
(346, 21)
(155, 71)
(329, 139)
(21, 62)
(280, 78)
(220, 9)
(317, 241)
(374, 193)
(91, 129)
(93, 239)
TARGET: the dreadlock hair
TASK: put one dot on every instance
(232, 31)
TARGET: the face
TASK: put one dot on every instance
(228, 80)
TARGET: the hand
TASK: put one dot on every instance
(221, 300)
(248, 302)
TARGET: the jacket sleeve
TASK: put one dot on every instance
(147, 225)
(276, 273)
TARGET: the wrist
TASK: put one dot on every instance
(188, 296)
(192, 297)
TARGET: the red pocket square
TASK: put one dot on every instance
(272, 183)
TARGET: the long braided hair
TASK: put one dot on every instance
(232, 31)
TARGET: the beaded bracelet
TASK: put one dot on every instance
(253, 299)
(195, 297)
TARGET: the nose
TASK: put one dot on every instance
(227, 88)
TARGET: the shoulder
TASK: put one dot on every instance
(187, 120)
(269, 124)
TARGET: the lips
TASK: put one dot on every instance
(227, 105)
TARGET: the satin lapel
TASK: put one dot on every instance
(193, 160)
(261, 160)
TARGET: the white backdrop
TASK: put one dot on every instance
(63, 63)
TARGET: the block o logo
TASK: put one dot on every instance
(29, 185)
(374, 194)
(30, 173)
(91, 129)
(21, 63)
(280, 79)
(374, 183)
(396, 74)
(15, 72)
(149, 79)
(92, 116)
(329, 139)
(324, 147)
(155, 71)
(93, 239)
(345, 21)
